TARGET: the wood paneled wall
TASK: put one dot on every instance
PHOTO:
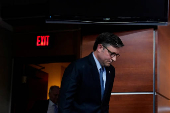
(131, 104)
(164, 60)
(163, 105)
(134, 68)
(163, 77)
(134, 71)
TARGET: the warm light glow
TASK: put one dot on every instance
(43, 40)
(55, 72)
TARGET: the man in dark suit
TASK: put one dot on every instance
(87, 83)
(47, 106)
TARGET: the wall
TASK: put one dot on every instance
(163, 83)
(5, 66)
(64, 40)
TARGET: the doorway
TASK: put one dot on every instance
(32, 78)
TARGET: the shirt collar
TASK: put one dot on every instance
(97, 62)
(50, 103)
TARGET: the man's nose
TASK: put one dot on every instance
(114, 58)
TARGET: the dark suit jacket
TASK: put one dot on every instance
(40, 106)
(80, 88)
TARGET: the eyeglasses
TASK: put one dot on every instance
(112, 54)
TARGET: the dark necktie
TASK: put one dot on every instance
(55, 108)
(101, 82)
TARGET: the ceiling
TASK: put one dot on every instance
(24, 12)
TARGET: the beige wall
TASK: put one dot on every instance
(55, 72)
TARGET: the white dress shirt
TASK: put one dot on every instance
(51, 107)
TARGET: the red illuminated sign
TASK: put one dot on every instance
(43, 40)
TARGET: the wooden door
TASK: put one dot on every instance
(37, 86)
(29, 85)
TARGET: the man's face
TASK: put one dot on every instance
(54, 95)
(105, 55)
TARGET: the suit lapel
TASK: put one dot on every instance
(95, 73)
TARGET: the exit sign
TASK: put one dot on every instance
(42, 40)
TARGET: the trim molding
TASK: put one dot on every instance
(133, 93)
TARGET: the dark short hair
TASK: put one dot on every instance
(52, 87)
(107, 38)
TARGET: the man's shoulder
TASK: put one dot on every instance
(81, 61)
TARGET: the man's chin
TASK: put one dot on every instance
(107, 65)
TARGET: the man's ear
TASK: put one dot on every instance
(99, 47)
